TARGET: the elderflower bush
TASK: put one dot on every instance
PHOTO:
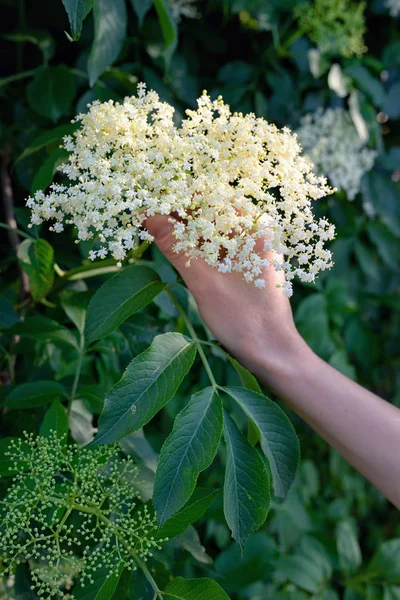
(228, 180)
(71, 512)
(332, 143)
(335, 26)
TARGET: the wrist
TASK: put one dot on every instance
(277, 364)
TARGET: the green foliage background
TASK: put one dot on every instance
(334, 536)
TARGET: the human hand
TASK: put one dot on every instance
(255, 325)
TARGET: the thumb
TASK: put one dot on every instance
(161, 229)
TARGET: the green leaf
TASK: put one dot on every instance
(188, 450)
(199, 502)
(385, 564)
(81, 423)
(168, 27)
(194, 589)
(75, 305)
(77, 11)
(103, 586)
(37, 260)
(56, 420)
(43, 329)
(110, 23)
(44, 175)
(278, 438)
(7, 463)
(141, 8)
(52, 91)
(348, 548)
(313, 323)
(391, 104)
(48, 137)
(367, 82)
(247, 379)
(119, 298)
(149, 382)
(8, 316)
(246, 488)
(386, 243)
(31, 395)
(302, 571)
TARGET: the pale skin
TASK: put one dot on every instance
(257, 327)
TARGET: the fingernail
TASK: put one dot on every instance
(159, 226)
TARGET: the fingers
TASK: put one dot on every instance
(161, 229)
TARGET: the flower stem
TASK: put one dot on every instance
(78, 371)
(194, 337)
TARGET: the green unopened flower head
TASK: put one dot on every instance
(71, 512)
(336, 26)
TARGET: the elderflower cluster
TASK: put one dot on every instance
(335, 26)
(234, 186)
(183, 8)
(73, 514)
(394, 7)
(332, 143)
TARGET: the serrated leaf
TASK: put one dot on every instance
(52, 91)
(279, 441)
(56, 420)
(119, 298)
(149, 382)
(102, 587)
(194, 589)
(141, 8)
(188, 450)
(168, 27)
(110, 23)
(77, 11)
(199, 502)
(37, 260)
(31, 395)
(246, 487)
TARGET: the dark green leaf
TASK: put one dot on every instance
(37, 393)
(385, 564)
(42, 328)
(44, 175)
(37, 260)
(246, 487)
(188, 450)
(148, 383)
(47, 138)
(302, 571)
(348, 547)
(141, 8)
(119, 298)
(391, 105)
(168, 27)
(56, 420)
(199, 502)
(194, 589)
(278, 437)
(367, 83)
(52, 91)
(77, 11)
(75, 305)
(110, 22)
(386, 243)
(8, 316)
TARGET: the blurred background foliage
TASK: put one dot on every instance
(334, 537)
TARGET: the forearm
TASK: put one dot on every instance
(362, 427)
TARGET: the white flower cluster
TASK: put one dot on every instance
(234, 186)
(394, 7)
(332, 143)
(183, 8)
